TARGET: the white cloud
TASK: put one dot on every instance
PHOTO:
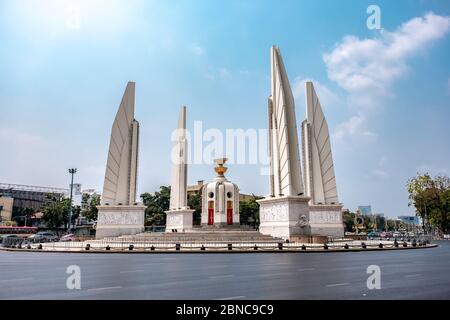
(73, 19)
(197, 49)
(327, 97)
(355, 126)
(366, 67)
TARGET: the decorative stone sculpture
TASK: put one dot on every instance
(119, 214)
(286, 203)
(325, 216)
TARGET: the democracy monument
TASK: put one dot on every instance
(297, 206)
(119, 213)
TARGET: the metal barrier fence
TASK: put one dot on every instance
(124, 245)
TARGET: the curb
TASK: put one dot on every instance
(214, 251)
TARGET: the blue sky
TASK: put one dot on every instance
(64, 66)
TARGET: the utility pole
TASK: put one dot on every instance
(72, 172)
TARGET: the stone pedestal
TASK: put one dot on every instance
(119, 220)
(181, 220)
(284, 217)
(326, 220)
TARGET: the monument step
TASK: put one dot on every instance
(219, 236)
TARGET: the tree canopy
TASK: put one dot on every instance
(156, 204)
(431, 198)
(56, 211)
(90, 211)
(249, 211)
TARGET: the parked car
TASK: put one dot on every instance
(373, 234)
(397, 234)
(68, 237)
(43, 236)
(10, 240)
(8, 236)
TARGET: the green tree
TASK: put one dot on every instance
(430, 197)
(249, 212)
(24, 214)
(56, 211)
(391, 225)
(349, 220)
(90, 211)
(156, 204)
(195, 202)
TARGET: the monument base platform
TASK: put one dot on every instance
(179, 220)
(326, 220)
(119, 220)
(284, 217)
(221, 225)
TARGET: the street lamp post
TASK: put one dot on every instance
(72, 172)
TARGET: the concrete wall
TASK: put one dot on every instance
(7, 207)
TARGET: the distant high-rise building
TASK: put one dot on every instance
(365, 210)
(414, 220)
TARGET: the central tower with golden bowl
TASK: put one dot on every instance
(220, 200)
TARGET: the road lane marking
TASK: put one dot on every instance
(104, 288)
(412, 275)
(131, 271)
(222, 276)
(221, 266)
(273, 274)
(232, 298)
(337, 284)
(269, 275)
(306, 269)
(12, 280)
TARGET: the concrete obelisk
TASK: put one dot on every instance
(284, 212)
(119, 214)
(179, 217)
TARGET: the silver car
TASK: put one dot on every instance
(43, 236)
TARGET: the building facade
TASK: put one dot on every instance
(24, 197)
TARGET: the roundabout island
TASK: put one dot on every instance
(229, 241)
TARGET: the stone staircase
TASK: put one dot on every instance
(222, 235)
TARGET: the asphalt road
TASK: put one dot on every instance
(405, 274)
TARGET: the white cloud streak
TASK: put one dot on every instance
(327, 97)
(371, 65)
(366, 68)
(355, 126)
